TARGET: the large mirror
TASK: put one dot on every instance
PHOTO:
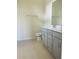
(57, 12)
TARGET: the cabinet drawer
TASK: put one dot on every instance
(50, 36)
(58, 35)
(43, 29)
(50, 32)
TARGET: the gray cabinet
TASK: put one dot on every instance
(52, 41)
(56, 48)
(57, 43)
(57, 35)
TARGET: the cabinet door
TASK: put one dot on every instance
(44, 36)
(45, 40)
(50, 45)
(57, 48)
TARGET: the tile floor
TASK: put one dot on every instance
(32, 49)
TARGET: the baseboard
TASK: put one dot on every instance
(25, 39)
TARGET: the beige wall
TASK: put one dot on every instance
(29, 18)
(31, 15)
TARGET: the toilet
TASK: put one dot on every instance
(38, 36)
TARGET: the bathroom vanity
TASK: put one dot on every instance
(52, 40)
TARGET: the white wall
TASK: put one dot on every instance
(29, 18)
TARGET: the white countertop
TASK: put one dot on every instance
(57, 29)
